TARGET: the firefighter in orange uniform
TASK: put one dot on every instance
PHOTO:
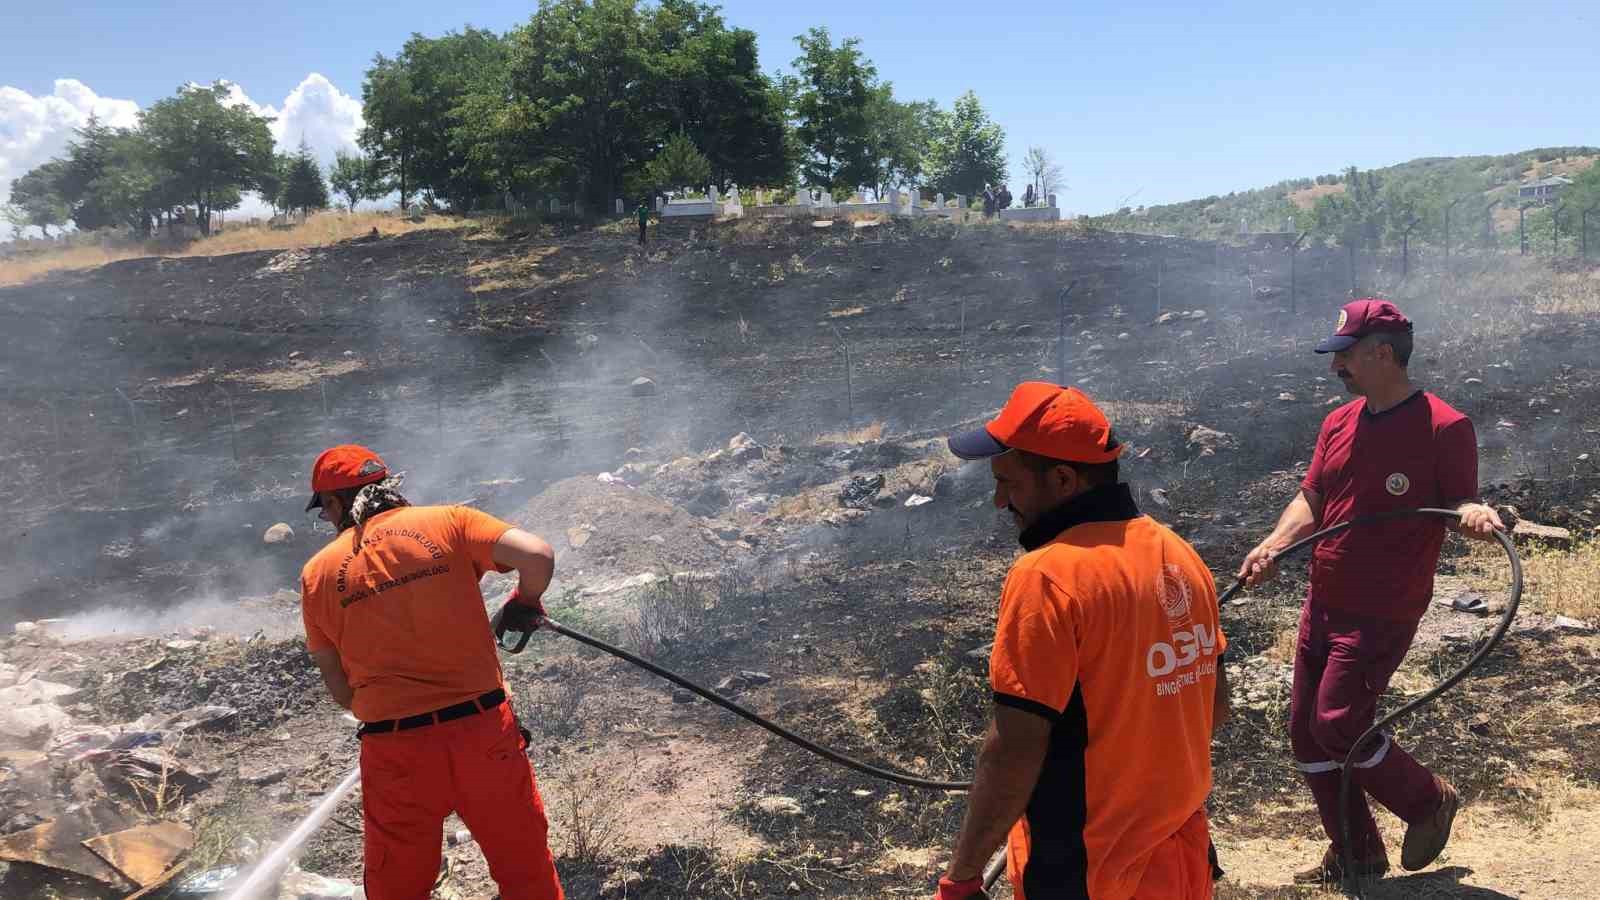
(1107, 673)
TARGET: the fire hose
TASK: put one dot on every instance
(992, 872)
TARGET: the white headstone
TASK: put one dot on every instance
(894, 200)
(555, 204)
(1242, 228)
(658, 203)
(961, 201)
(938, 200)
(712, 193)
(619, 206)
(1052, 201)
(827, 198)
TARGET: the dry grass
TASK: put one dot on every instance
(1570, 293)
(866, 434)
(1564, 583)
(319, 230)
(1306, 198)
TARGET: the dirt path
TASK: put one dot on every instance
(1493, 853)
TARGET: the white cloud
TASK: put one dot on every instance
(34, 129)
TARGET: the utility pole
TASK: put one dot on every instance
(1555, 229)
(1522, 228)
(1405, 247)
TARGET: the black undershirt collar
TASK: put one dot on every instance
(1368, 411)
(1106, 503)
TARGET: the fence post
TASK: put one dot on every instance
(1522, 229)
(1447, 211)
(1555, 230)
(1061, 333)
(1294, 254)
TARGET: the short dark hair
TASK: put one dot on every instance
(1400, 342)
(1093, 474)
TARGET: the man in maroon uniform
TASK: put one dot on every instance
(1395, 447)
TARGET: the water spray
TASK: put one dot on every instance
(263, 879)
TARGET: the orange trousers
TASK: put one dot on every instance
(476, 767)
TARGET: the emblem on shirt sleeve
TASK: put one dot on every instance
(1174, 592)
(1397, 484)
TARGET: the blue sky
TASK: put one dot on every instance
(1155, 102)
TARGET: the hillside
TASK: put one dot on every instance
(756, 514)
(1268, 208)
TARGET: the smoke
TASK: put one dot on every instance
(274, 617)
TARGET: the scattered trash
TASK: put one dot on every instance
(1549, 534)
(916, 500)
(608, 478)
(211, 881)
(860, 491)
(1470, 602)
(780, 806)
(1577, 626)
(579, 535)
(59, 844)
(1160, 497)
(144, 853)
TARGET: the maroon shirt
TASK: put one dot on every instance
(1420, 453)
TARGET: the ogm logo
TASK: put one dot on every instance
(1397, 484)
(1343, 318)
(1173, 590)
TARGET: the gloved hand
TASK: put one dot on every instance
(518, 616)
(971, 889)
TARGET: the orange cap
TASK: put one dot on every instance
(344, 466)
(1047, 419)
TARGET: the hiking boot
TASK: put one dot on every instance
(1425, 840)
(1331, 869)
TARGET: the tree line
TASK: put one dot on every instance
(194, 153)
(592, 99)
(600, 99)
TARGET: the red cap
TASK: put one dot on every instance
(1360, 318)
(344, 466)
(1047, 419)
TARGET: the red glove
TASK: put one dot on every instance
(971, 889)
(537, 603)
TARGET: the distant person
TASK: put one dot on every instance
(989, 200)
(395, 622)
(1107, 674)
(1395, 447)
(643, 215)
(1029, 197)
(1003, 199)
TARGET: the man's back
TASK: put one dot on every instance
(1135, 612)
(404, 610)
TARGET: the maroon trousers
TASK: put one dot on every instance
(1342, 665)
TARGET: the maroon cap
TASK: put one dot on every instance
(1360, 318)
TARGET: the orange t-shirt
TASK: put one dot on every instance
(1111, 632)
(404, 610)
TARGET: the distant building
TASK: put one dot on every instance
(1544, 190)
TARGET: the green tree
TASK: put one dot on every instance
(351, 177)
(679, 164)
(304, 189)
(580, 90)
(213, 149)
(968, 149)
(441, 73)
(833, 102)
(710, 85)
(394, 123)
(270, 184)
(16, 217)
(901, 136)
(37, 195)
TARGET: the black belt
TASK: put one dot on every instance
(460, 710)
